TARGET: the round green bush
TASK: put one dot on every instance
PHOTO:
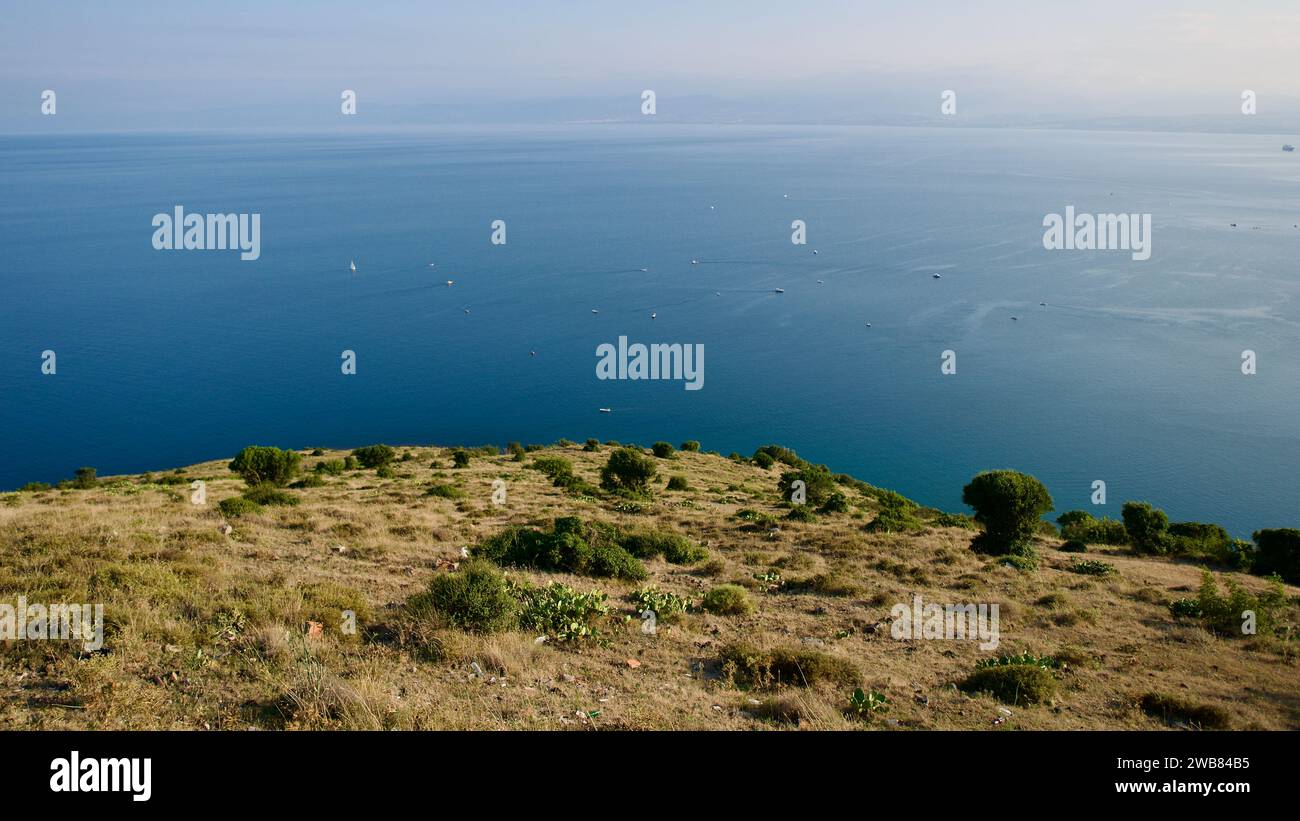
(460, 458)
(663, 450)
(237, 506)
(1147, 527)
(1074, 546)
(1013, 683)
(474, 598)
(1008, 504)
(264, 465)
(678, 483)
(691, 446)
(628, 469)
(728, 600)
(374, 456)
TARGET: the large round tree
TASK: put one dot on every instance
(1008, 504)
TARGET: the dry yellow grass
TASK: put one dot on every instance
(206, 630)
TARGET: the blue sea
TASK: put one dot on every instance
(1131, 373)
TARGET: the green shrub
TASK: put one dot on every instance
(691, 446)
(955, 520)
(678, 483)
(728, 600)
(780, 454)
(385, 472)
(263, 465)
(1009, 505)
(444, 491)
(562, 613)
(591, 445)
(334, 467)
(1201, 541)
(801, 513)
(1225, 615)
(374, 456)
(34, 487)
(763, 460)
(349, 463)
(749, 666)
(662, 449)
(1147, 528)
(1013, 683)
(837, 502)
(460, 458)
(317, 452)
(1094, 567)
(628, 469)
(84, 479)
(674, 547)
(310, 480)
(1278, 552)
(586, 550)
(516, 451)
(818, 484)
(268, 494)
(1173, 710)
(556, 467)
(1074, 546)
(237, 506)
(895, 520)
(474, 598)
(1024, 562)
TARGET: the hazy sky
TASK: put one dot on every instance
(236, 62)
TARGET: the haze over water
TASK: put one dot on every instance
(1130, 373)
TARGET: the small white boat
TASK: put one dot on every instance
(821, 282)
(868, 324)
(815, 252)
(780, 290)
(695, 262)
(606, 410)
(1015, 319)
(594, 311)
(1044, 304)
(451, 282)
(354, 266)
(532, 353)
(936, 276)
(654, 316)
(643, 270)
(467, 310)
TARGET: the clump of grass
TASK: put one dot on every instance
(1013, 683)
(746, 666)
(445, 491)
(474, 598)
(238, 506)
(827, 584)
(645, 543)
(269, 494)
(678, 482)
(1094, 567)
(1023, 563)
(590, 549)
(1173, 710)
(728, 600)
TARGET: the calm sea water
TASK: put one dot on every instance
(1130, 374)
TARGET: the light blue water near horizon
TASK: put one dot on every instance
(1130, 374)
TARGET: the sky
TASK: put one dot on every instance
(279, 63)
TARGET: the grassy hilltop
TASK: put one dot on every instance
(233, 613)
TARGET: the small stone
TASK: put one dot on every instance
(567, 678)
(226, 529)
(314, 629)
(633, 663)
